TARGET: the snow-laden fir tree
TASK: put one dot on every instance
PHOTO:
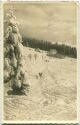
(12, 55)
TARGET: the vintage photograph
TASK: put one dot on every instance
(40, 61)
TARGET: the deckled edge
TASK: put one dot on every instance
(1, 62)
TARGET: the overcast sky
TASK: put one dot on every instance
(47, 21)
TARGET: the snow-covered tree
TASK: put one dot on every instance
(12, 55)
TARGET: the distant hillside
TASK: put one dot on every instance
(65, 49)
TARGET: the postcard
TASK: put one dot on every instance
(40, 62)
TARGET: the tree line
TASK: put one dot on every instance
(47, 45)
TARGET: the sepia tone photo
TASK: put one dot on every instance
(40, 61)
